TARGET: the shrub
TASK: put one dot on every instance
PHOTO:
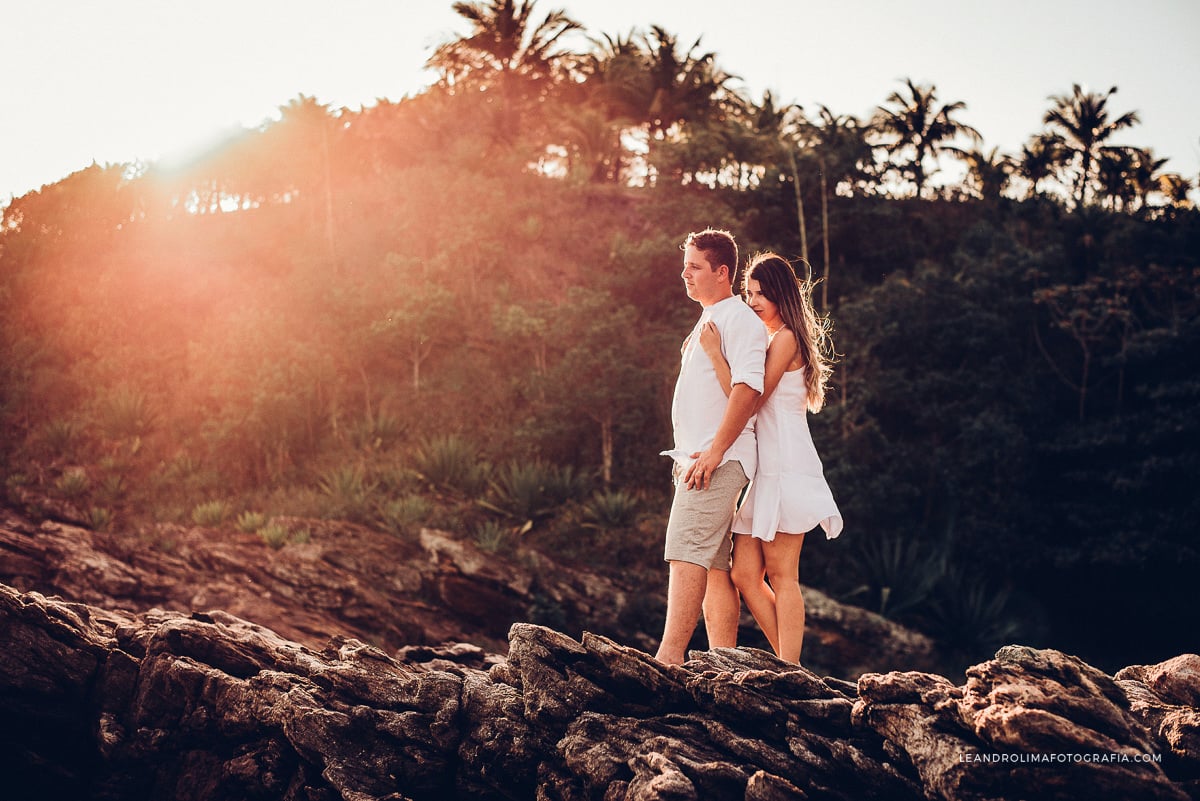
(451, 463)
(275, 535)
(211, 513)
(377, 431)
(564, 484)
(251, 521)
(970, 617)
(58, 436)
(532, 490)
(124, 412)
(546, 611)
(519, 490)
(13, 484)
(112, 487)
(492, 536)
(611, 509)
(395, 479)
(99, 519)
(347, 492)
(899, 574)
(402, 515)
(73, 483)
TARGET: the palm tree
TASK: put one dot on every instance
(618, 73)
(649, 89)
(921, 128)
(1115, 180)
(779, 131)
(1081, 121)
(1145, 174)
(686, 86)
(842, 147)
(1175, 188)
(839, 144)
(300, 145)
(505, 51)
(613, 97)
(1038, 159)
(988, 173)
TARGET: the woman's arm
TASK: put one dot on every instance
(781, 354)
(710, 340)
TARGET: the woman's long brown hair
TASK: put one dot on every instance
(779, 284)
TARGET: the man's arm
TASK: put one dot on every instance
(738, 409)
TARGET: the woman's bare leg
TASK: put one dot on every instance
(782, 560)
(748, 573)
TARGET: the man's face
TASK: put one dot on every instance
(704, 284)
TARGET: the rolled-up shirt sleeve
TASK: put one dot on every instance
(744, 343)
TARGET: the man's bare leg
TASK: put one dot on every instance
(722, 608)
(685, 598)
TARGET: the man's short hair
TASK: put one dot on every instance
(717, 246)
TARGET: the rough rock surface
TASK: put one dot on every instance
(99, 704)
(390, 591)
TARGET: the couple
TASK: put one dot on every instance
(746, 365)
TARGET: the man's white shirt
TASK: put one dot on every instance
(699, 403)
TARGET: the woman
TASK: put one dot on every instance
(789, 495)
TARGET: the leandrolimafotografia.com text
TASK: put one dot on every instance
(1059, 758)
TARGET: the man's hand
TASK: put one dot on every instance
(699, 474)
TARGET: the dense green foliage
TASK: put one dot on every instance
(463, 309)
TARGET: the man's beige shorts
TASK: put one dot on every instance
(698, 530)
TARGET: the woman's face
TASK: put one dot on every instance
(766, 310)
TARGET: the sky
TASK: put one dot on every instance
(155, 80)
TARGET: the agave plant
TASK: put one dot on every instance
(58, 436)
(72, 483)
(451, 463)
(532, 491)
(377, 431)
(99, 518)
(611, 509)
(275, 535)
(899, 574)
(492, 536)
(970, 616)
(125, 412)
(402, 515)
(211, 513)
(250, 522)
(347, 491)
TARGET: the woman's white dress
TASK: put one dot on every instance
(789, 492)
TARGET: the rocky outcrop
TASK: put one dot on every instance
(98, 704)
(392, 591)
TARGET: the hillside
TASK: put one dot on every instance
(392, 592)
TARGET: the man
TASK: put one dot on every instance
(714, 452)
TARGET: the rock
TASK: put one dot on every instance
(396, 592)
(1161, 698)
(1029, 723)
(97, 704)
(1176, 681)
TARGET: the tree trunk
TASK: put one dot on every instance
(824, 235)
(606, 450)
(791, 154)
(417, 355)
(1083, 382)
(329, 237)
